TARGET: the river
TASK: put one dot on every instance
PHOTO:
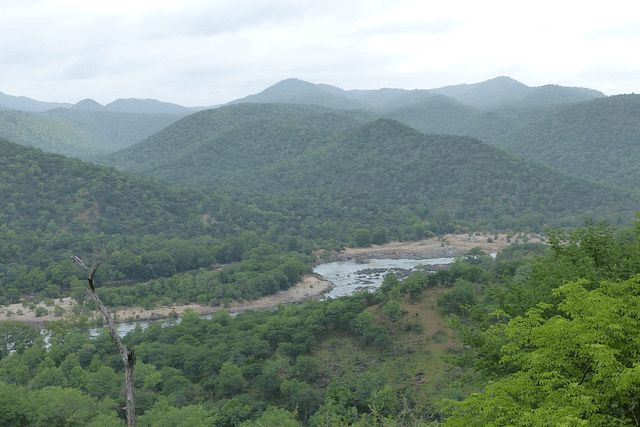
(347, 276)
(351, 276)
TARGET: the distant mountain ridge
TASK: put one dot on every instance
(27, 104)
(131, 105)
(493, 93)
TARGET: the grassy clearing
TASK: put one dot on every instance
(412, 362)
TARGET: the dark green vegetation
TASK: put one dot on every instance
(595, 140)
(578, 131)
(326, 164)
(140, 229)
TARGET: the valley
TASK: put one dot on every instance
(527, 194)
(311, 286)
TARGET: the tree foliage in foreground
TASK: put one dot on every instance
(579, 367)
(562, 349)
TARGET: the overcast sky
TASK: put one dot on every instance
(201, 53)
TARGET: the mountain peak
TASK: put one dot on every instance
(146, 106)
(296, 91)
(88, 105)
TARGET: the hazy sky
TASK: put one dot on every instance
(201, 53)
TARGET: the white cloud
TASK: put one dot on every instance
(201, 52)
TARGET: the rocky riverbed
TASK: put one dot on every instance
(311, 286)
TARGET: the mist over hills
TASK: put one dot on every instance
(49, 133)
(491, 94)
(27, 104)
(114, 130)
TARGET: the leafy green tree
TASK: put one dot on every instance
(389, 282)
(380, 236)
(78, 378)
(578, 367)
(307, 368)
(476, 256)
(362, 237)
(230, 380)
(460, 296)
(163, 414)
(393, 310)
(274, 417)
(104, 382)
(301, 397)
(160, 263)
(17, 336)
(48, 377)
(232, 413)
(56, 406)
(106, 420)
(13, 401)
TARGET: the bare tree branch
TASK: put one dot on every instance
(128, 356)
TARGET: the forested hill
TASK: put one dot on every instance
(578, 131)
(50, 134)
(230, 125)
(597, 140)
(377, 166)
(113, 130)
(54, 206)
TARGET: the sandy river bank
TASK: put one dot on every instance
(311, 285)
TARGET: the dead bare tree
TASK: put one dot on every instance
(128, 357)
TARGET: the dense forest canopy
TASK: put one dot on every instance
(376, 166)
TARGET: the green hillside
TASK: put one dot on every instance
(435, 114)
(50, 134)
(262, 121)
(595, 140)
(376, 167)
(140, 229)
(113, 130)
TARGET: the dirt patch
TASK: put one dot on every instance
(450, 245)
(311, 286)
